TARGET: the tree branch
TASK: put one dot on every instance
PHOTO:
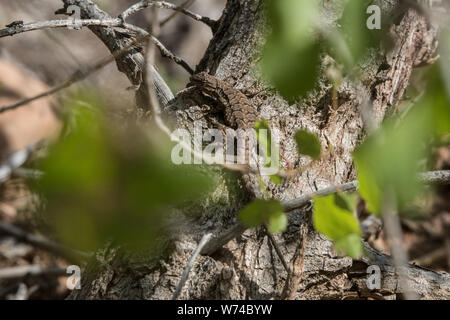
(116, 39)
(164, 93)
(166, 5)
(11, 31)
(33, 270)
(298, 203)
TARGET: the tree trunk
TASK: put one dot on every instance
(247, 267)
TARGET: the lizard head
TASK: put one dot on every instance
(203, 80)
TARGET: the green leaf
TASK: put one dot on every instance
(346, 201)
(338, 224)
(437, 100)
(333, 221)
(368, 187)
(264, 140)
(350, 245)
(292, 71)
(275, 179)
(388, 161)
(290, 58)
(270, 151)
(291, 20)
(308, 144)
(356, 38)
(261, 211)
(277, 222)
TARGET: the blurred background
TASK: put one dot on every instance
(54, 54)
(32, 62)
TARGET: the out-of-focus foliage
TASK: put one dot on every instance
(105, 181)
(333, 217)
(388, 160)
(291, 55)
(265, 144)
(261, 211)
(308, 144)
(351, 40)
(270, 151)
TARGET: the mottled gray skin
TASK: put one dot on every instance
(238, 110)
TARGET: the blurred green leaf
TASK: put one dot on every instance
(265, 144)
(337, 223)
(346, 201)
(332, 220)
(350, 245)
(262, 211)
(414, 212)
(275, 179)
(290, 57)
(264, 141)
(308, 144)
(437, 100)
(388, 161)
(106, 182)
(356, 38)
(368, 187)
(277, 222)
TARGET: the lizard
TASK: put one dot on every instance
(239, 112)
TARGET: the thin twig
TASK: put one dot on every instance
(222, 239)
(298, 203)
(278, 251)
(184, 5)
(45, 244)
(304, 199)
(168, 54)
(189, 266)
(166, 5)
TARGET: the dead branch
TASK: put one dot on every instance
(33, 270)
(166, 5)
(45, 244)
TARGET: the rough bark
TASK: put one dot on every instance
(247, 267)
